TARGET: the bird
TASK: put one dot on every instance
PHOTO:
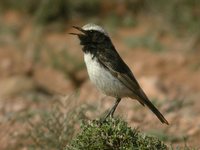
(107, 70)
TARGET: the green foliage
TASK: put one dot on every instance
(113, 134)
(84, 8)
(113, 21)
(182, 15)
(49, 11)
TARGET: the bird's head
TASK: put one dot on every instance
(91, 34)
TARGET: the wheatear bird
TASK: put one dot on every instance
(108, 71)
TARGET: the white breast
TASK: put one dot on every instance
(103, 79)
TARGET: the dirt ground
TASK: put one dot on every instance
(33, 70)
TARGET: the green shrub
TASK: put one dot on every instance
(113, 134)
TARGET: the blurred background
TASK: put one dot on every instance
(41, 65)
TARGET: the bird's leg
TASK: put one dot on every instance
(112, 110)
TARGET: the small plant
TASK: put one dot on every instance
(113, 134)
(57, 126)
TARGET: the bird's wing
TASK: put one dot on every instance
(117, 67)
(110, 59)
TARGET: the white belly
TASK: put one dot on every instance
(103, 79)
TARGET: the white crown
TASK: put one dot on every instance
(91, 26)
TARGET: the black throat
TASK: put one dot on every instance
(95, 42)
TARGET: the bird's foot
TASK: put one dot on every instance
(112, 110)
(110, 114)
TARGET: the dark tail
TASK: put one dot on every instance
(143, 99)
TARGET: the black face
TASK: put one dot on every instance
(93, 40)
(92, 37)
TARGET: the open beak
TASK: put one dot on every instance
(80, 29)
